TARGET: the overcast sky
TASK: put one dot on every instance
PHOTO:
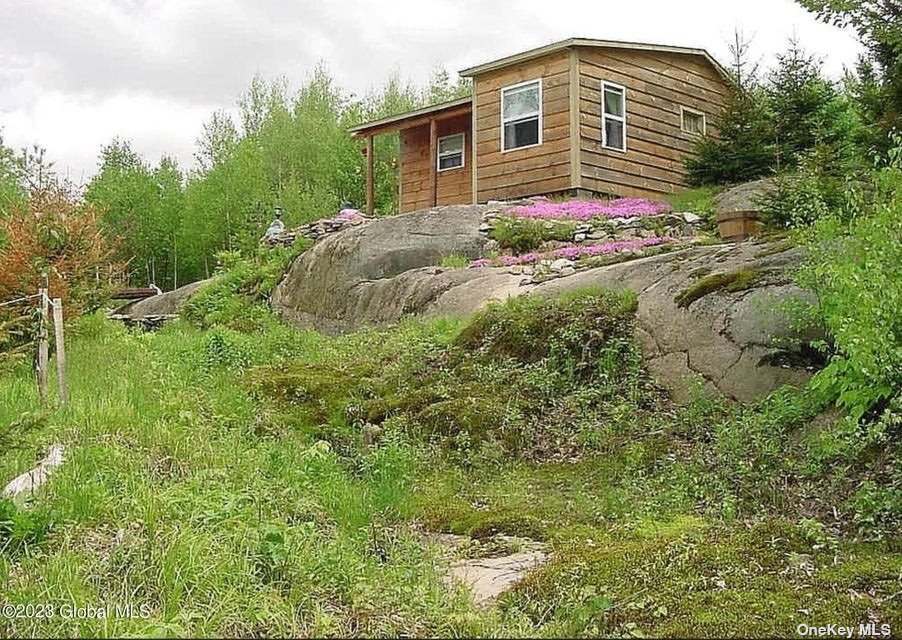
(76, 73)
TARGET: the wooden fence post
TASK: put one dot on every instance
(43, 348)
(60, 347)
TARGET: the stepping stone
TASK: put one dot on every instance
(488, 578)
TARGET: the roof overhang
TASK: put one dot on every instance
(592, 43)
(460, 106)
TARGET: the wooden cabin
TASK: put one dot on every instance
(579, 117)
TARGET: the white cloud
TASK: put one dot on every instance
(75, 74)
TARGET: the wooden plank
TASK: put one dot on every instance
(402, 125)
(547, 172)
(370, 189)
(489, 140)
(645, 169)
(592, 76)
(661, 71)
(645, 153)
(554, 126)
(530, 162)
(613, 176)
(648, 94)
(490, 152)
(639, 102)
(621, 190)
(433, 154)
(529, 188)
(472, 139)
(550, 82)
(43, 347)
(554, 107)
(639, 127)
(60, 348)
(543, 67)
(573, 99)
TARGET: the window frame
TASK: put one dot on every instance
(539, 115)
(695, 112)
(605, 116)
(463, 152)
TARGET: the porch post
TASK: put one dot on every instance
(370, 193)
(433, 162)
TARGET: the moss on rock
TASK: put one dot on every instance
(729, 282)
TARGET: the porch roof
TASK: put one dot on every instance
(460, 106)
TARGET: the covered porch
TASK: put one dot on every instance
(436, 155)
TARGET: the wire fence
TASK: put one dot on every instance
(15, 301)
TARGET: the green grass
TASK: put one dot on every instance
(698, 200)
(454, 261)
(520, 235)
(217, 476)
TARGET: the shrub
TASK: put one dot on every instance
(521, 235)
(820, 185)
(856, 271)
(52, 235)
(529, 329)
(236, 295)
(55, 235)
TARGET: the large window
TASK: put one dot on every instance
(521, 115)
(613, 116)
(692, 121)
(450, 152)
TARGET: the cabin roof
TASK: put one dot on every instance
(589, 42)
(410, 118)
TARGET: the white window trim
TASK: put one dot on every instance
(463, 152)
(605, 116)
(684, 110)
(501, 115)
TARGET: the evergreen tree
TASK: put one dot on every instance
(800, 99)
(878, 89)
(743, 148)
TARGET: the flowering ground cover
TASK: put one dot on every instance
(573, 252)
(589, 209)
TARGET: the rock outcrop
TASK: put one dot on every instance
(727, 339)
(163, 304)
(744, 197)
(378, 272)
(725, 333)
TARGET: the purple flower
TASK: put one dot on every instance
(570, 253)
(588, 209)
(576, 252)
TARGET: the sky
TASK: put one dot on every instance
(75, 75)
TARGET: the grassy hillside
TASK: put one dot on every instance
(219, 478)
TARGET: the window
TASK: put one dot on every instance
(451, 152)
(521, 115)
(692, 121)
(613, 116)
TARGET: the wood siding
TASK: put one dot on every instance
(529, 171)
(453, 185)
(657, 85)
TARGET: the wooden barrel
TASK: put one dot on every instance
(735, 226)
